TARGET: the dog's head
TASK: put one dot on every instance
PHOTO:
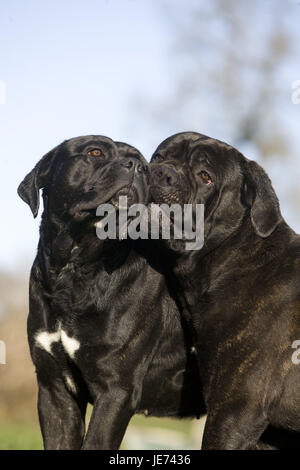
(193, 168)
(82, 173)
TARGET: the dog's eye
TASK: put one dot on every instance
(157, 157)
(95, 153)
(205, 177)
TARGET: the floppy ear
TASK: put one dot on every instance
(30, 187)
(260, 196)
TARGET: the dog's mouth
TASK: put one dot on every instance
(129, 192)
(159, 196)
(124, 197)
(122, 201)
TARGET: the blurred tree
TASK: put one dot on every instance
(226, 65)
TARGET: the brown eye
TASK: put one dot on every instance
(157, 158)
(205, 177)
(95, 153)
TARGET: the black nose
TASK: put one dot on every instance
(131, 164)
(164, 175)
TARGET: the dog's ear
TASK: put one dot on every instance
(30, 187)
(260, 196)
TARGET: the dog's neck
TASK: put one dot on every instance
(243, 247)
(76, 243)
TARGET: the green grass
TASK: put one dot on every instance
(23, 436)
(27, 436)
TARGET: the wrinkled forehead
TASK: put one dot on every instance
(176, 146)
(79, 144)
(212, 150)
(190, 147)
(128, 151)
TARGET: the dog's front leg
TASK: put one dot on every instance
(62, 417)
(237, 428)
(111, 414)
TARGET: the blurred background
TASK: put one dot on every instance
(136, 71)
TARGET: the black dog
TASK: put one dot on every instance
(102, 326)
(241, 289)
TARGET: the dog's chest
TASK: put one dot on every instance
(72, 297)
(78, 297)
(76, 291)
(62, 346)
(46, 340)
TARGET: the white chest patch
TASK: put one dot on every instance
(45, 340)
(70, 344)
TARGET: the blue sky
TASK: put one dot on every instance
(70, 68)
(74, 68)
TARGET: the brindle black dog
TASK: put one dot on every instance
(241, 290)
(103, 327)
